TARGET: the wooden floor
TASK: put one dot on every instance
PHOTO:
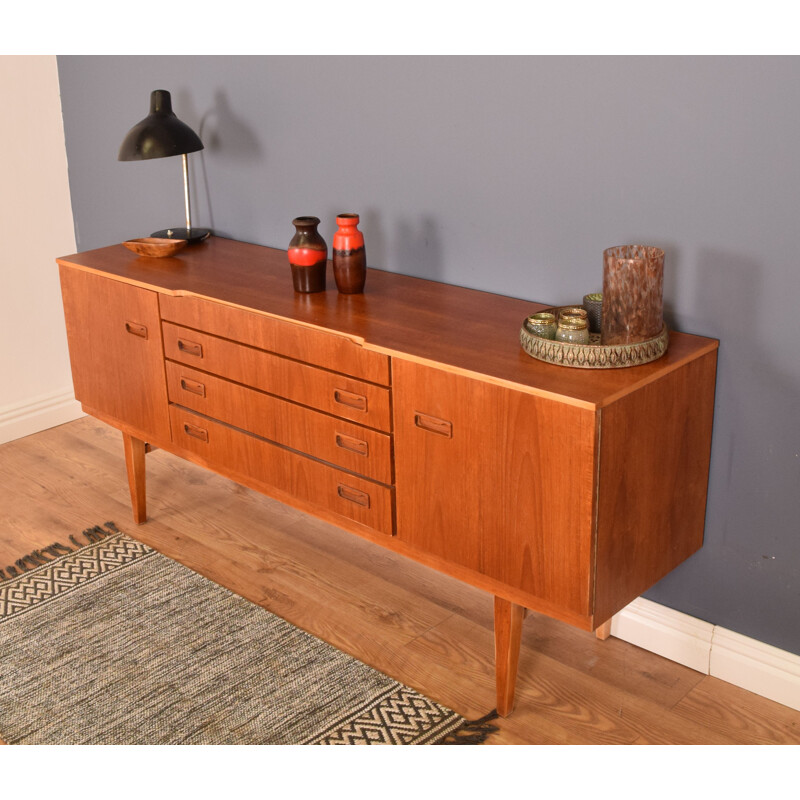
(426, 630)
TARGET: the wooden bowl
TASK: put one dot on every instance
(155, 248)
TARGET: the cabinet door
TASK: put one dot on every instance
(498, 481)
(114, 335)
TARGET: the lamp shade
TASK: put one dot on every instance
(159, 134)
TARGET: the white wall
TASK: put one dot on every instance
(36, 223)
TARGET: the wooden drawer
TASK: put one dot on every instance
(243, 456)
(341, 443)
(513, 473)
(335, 394)
(302, 342)
(114, 336)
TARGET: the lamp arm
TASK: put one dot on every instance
(186, 194)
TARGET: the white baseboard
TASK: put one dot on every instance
(38, 414)
(662, 630)
(757, 667)
(712, 650)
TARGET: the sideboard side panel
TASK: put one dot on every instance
(655, 451)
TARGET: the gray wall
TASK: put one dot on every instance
(512, 174)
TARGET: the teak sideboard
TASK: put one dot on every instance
(409, 415)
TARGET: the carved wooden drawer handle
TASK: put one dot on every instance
(354, 445)
(434, 425)
(195, 387)
(197, 433)
(357, 401)
(190, 348)
(137, 329)
(353, 495)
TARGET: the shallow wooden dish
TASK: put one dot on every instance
(593, 355)
(155, 248)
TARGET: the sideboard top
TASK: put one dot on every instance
(467, 330)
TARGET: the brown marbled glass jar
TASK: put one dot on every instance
(633, 288)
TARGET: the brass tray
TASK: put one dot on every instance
(593, 355)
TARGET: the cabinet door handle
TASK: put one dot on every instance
(354, 445)
(353, 495)
(137, 329)
(197, 433)
(357, 401)
(190, 348)
(195, 387)
(434, 425)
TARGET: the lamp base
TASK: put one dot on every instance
(193, 236)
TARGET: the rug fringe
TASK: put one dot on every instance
(473, 731)
(38, 558)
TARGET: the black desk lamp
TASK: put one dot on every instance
(158, 135)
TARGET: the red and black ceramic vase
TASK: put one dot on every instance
(349, 257)
(308, 256)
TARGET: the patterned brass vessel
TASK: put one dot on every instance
(592, 355)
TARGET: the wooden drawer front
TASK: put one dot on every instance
(335, 394)
(243, 457)
(510, 472)
(341, 443)
(329, 350)
(114, 336)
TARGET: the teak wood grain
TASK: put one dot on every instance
(654, 461)
(327, 391)
(508, 619)
(303, 343)
(443, 565)
(336, 441)
(508, 493)
(137, 476)
(467, 330)
(116, 354)
(516, 476)
(241, 454)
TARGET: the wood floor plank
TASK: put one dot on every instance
(612, 661)
(742, 716)
(429, 631)
(587, 710)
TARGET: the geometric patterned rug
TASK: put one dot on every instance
(111, 642)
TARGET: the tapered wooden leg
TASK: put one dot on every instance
(604, 631)
(134, 463)
(508, 618)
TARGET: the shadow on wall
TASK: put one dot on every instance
(757, 389)
(412, 248)
(672, 267)
(750, 561)
(753, 498)
(220, 130)
(726, 285)
(371, 225)
(221, 127)
(419, 247)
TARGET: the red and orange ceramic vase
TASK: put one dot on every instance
(308, 256)
(349, 257)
